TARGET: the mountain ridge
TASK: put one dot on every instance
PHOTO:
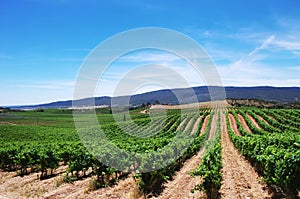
(183, 95)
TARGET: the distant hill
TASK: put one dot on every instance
(167, 96)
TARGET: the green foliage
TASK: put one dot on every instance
(275, 155)
(54, 141)
(210, 167)
(41, 141)
(151, 182)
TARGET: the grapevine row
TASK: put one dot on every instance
(277, 160)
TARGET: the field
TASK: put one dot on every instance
(233, 153)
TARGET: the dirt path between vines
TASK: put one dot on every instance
(29, 186)
(182, 183)
(189, 123)
(244, 124)
(181, 123)
(204, 125)
(262, 119)
(195, 127)
(253, 121)
(233, 125)
(8, 123)
(12, 186)
(126, 188)
(239, 179)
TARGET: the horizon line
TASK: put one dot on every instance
(65, 100)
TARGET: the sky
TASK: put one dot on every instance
(43, 43)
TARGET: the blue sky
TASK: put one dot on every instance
(44, 42)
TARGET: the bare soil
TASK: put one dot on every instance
(30, 186)
(262, 119)
(195, 127)
(240, 180)
(7, 123)
(204, 125)
(244, 124)
(220, 103)
(213, 128)
(181, 123)
(233, 124)
(253, 121)
(146, 111)
(126, 188)
(183, 183)
(188, 124)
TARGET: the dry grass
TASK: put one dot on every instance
(59, 180)
(212, 104)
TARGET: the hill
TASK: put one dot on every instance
(167, 96)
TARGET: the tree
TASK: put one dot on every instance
(156, 102)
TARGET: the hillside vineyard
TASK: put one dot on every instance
(42, 152)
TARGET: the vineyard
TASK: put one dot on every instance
(228, 153)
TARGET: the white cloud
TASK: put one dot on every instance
(246, 62)
(150, 57)
(295, 68)
(294, 46)
(252, 70)
(259, 74)
(288, 38)
(218, 54)
(264, 45)
(167, 75)
(36, 92)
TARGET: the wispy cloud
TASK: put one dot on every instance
(252, 69)
(168, 75)
(218, 54)
(264, 45)
(150, 57)
(295, 68)
(227, 44)
(253, 56)
(66, 59)
(259, 74)
(288, 39)
(288, 45)
(57, 84)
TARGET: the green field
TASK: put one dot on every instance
(33, 141)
